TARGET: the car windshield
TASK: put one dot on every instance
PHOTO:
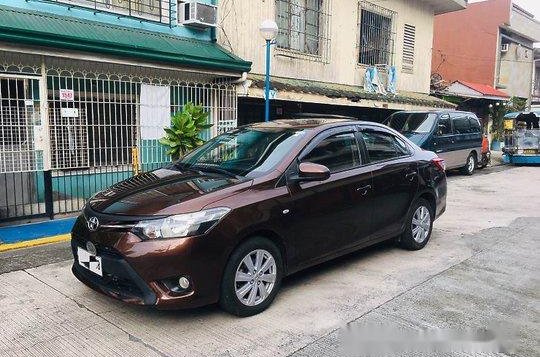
(420, 123)
(249, 152)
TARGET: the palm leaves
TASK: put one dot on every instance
(183, 135)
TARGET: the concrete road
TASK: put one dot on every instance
(480, 269)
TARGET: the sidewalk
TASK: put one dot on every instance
(32, 234)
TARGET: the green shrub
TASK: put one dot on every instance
(184, 133)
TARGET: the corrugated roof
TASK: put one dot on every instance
(484, 89)
(352, 93)
(43, 29)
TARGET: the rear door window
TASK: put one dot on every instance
(337, 152)
(474, 125)
(461, 124)
(383, 146)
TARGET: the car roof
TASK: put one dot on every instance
(304, 123)
(311, 123)
(440, 111)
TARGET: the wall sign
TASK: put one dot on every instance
(69, 112)
(67, 95)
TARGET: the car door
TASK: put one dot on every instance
(443, 140)
(395, 180)
(462, 138)
(331, 215)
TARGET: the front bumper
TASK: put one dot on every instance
(119, 279)
(139, 272)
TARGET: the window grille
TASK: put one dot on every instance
(377, 34)
(304, 27)
(152, 10)
(409, 39)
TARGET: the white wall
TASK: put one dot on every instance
(240, 20)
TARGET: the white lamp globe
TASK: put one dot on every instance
(269, 30)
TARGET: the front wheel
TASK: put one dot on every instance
(470, 166)
(252, 277)
(419, 226)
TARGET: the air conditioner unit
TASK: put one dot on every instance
(196, 14)
(505, 47)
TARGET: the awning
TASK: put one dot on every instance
(474, 90)
(343, 94)
(42, 29)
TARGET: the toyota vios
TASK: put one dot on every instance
(228, 221)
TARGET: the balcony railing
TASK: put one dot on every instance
(151, 10)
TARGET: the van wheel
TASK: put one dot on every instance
(419, 226)
(471, 165)
(252, 277)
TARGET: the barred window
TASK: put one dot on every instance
(153, 10)
(377, 35)
(409, 39)
(303, 26)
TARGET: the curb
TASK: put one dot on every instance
(35, 242)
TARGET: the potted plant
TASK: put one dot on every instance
(184, 133)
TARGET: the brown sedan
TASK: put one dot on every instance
(228, 221)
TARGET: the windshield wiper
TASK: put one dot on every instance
(214, 169)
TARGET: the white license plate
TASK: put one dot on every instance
(89, 261)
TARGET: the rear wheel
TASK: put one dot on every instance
(470, 166)
(419, 226)
(252, 277)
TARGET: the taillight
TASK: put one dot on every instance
(439, 163)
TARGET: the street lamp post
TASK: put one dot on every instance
(269, 30)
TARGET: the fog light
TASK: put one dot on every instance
(183, 282)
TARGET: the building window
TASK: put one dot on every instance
(377, 35)
(303, 26)
(152, 10)
(409, 39)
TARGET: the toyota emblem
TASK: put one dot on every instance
(93, 224)
(91, 248)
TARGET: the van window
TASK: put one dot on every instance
(475, 125)
(445, 127)
(461, 125)
(406, 122)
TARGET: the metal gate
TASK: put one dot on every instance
(94, 129)
(21, 163)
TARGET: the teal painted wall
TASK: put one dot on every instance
(111, 18)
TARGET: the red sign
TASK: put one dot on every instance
(67, 95)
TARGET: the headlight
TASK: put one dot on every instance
(181, 225)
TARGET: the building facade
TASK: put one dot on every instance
(86, 88)
(495, 46)
(536, 87)
(323, 49)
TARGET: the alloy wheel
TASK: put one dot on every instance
(470, 164)
(421, 223)
(255, 277)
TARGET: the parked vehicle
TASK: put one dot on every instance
(454, 136)
(228, 221)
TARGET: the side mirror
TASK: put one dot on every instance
(308, 171)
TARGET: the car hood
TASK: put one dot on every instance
(166, 191)
(417, 138)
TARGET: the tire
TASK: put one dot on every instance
(248, 306)
(470, 165)
(411, 239)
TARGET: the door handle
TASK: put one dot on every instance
(438, 151)
(364, 189)
(411, 175)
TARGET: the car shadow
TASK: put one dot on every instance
(211, 312)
